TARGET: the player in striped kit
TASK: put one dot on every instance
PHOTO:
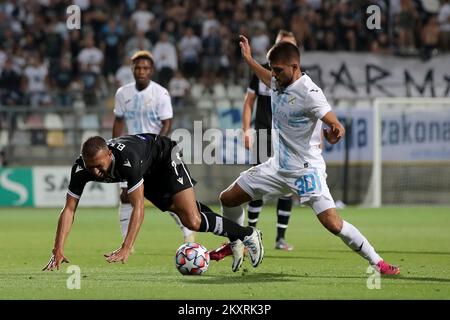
(299, 108)
(142, 106)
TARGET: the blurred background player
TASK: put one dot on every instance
(144, 107)
(259, 92)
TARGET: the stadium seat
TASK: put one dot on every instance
(55, 138)
(69, 121)
(20, 122)
(88, 133)
(235, 92)
(4, 138)
(223, 103)
(205, 104)
(34, 121)
(89, 121)
(4, 124)
(219, 91)
(108, 121)
(21, 138)
(53, 121)
(70, 139)
(197, 91)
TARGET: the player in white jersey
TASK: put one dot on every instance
(142, 106)
(298, 109)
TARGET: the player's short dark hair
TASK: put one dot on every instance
(91, 146)
(283, 52)
(285, 33)
(142, 54)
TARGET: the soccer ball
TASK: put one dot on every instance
(192, 259)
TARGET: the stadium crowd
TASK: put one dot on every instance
(43, 63)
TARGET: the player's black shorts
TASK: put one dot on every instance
(166, 180)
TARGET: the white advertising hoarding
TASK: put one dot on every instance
(422, 135)
(50, 188)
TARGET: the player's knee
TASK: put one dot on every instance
(227, 200)
(334, 226)
(192, 221)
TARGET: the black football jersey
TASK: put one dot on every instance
(133, 157)
(263, 116)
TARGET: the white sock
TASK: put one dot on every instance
(125, 210)
(235, 214)
(357, 242)
(186, 232)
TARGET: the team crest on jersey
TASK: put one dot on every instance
(127, 163)
(252, 171)
(291, 101)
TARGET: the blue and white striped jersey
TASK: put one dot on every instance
(143, 110)
(296, 114)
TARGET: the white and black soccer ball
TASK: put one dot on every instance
(192, 259)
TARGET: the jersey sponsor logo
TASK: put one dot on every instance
(78, 169)
(180, 180)
(313, 90)
(291, 101)
(128, 101)
(141, 137)
(127, 163)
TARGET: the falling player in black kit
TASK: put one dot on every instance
(153, 168)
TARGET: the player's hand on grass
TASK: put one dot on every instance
(245, 48)
(334, 134)
(120, 254)
(55, 261)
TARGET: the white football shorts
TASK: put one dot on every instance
(309, 184)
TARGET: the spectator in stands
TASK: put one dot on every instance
(212, 50)
(166, 60)
(260, 44)
(142, 18)
(61, 81)
(10, 79)
(90, 57)
(124, 74)
(179, 90)
(190, 48)
(137, 43)
(111, 35)
(430, 37)
(406, 22)
(35, 82)
(444, 20)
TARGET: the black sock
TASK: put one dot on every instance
(254, 208)
(284, 208)
(212, 222)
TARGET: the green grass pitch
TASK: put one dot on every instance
(320, 267)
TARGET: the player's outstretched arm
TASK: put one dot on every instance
(64, 225)
(249, 102)
(262, 73)
(137, 217)
(336, 131)
(118, 127)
